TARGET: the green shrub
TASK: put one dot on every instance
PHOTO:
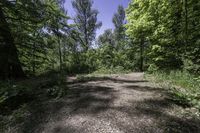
(55, 86)
(18, 116)
(9, 90)
(111, 70)
(152, 68)
(184, 87)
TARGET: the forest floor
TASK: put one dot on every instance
(125, 103)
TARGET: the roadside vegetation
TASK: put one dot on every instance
(183, 86)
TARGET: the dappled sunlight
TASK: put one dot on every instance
(99, 66)
(124, 107)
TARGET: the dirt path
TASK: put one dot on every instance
(116, 104)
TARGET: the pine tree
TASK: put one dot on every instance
(119, 22)
(86, 20)
(10, 66)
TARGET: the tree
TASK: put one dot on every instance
(58, 25)
(106, 38)
(10, 66)
(170, 27)
(139, 26)
(24, 32)
(86, 20)
(14, 16)
(119, 22)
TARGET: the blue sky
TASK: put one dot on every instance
(106, 10)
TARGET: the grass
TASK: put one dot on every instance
(183, 86)
(16, 97)
(102, 73)
(111, 70)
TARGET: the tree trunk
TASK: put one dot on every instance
(86, 33)
(60, 54)
(186, 24)
(10, 66)
(33, 63)
(141, 54)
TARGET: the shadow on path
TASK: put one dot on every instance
(105, 78)
(151, 114)
(80, 99)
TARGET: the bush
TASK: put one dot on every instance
(183, 86)
(111, 70)
(55, 86)
(8, 90)
(12, 96)
(152, 68)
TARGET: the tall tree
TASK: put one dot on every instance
(59, 26)
(119, 22)
(86, 20)
(10, 66)
(14, 16)
(106, 38)
(139, 26)
(24, 36)
(171, 27)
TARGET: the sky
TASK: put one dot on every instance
(106, 10)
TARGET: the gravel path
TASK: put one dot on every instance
(117, 104)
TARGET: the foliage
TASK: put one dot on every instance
(32, 37)
(168, 27)
(183, 86)
(119, 21)
(112, 70)
(86, 21)
(114, 47)
(8, 90)
(37, 42)
(18, 116)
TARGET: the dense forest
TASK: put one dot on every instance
(35, 37)
(37, 42)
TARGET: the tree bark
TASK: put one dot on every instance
(186, 24)
(142, 54)
(10, 66)
(60, 54)
(86, 33)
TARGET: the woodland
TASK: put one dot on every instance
(40, 50)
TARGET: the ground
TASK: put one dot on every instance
(115, 104)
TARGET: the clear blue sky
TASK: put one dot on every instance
(106, 10)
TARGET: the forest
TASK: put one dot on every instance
(49, 60)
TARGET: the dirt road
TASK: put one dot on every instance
(116, 104)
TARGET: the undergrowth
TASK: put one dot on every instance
(17, 96)
(102, 73)
(183, 86)
(111, 70)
